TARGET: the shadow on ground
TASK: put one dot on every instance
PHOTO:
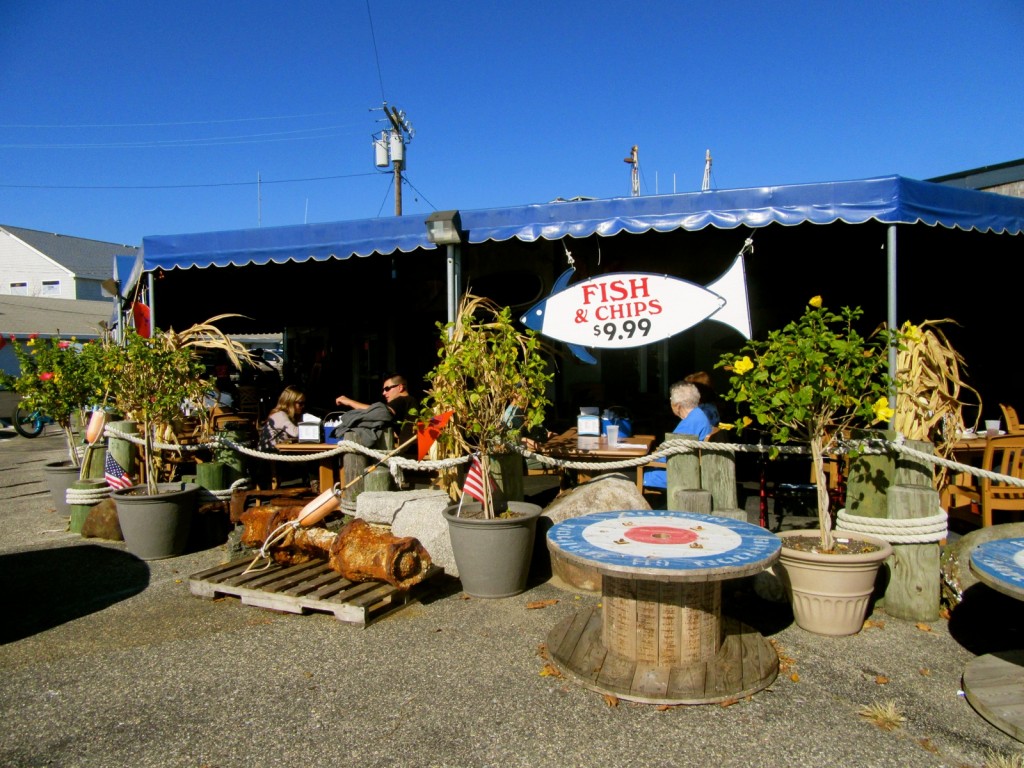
(987, 621)
(48, 587)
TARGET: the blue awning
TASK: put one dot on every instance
(298, 243)
(889, 200)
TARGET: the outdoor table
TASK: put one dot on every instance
(329, 473)
(658, 635)
(573, 447)
(994, 682)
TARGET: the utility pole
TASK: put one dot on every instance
(634, 160)
(389, 148)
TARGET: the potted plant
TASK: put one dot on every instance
(55, 378)
(811, 381)
(493, 377)
(153, 382)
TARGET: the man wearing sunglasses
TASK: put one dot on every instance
(398, 400)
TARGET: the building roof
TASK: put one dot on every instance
(24, 315)
(84, 258)
(985, 177)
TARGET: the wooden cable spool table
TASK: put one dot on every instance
(658, 636)
(994, 683)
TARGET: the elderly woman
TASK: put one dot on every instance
(684, 399)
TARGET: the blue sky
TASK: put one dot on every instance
(129, 118)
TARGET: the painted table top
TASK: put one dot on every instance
(1000, 565)
(666, 546)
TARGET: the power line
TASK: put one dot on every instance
(181, 122)
(252, 138)
(376, 55)
(183, 186)
(406, 179)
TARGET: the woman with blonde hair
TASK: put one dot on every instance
(282, 422)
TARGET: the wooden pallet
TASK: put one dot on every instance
(311, 586)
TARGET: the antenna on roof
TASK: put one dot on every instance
(705, 184)
(634, 175)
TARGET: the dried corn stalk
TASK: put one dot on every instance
(932, 390)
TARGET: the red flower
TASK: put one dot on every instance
(33, 335)
(45, 376)
(64, 344)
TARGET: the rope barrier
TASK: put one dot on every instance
(664, 451)
(918, 530)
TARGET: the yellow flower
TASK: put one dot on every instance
(743, 365)
(912, 333)
(815, 302)
(746, 421)
(882, 410)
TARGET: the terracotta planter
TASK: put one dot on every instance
(830, 593)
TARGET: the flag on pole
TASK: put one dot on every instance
(474, 484)
(115, 475)
(426, 434)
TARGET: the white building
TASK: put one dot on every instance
(41, 264)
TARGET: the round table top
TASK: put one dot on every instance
(1000, 565)
(667, 546)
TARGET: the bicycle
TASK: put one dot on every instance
(28, 423)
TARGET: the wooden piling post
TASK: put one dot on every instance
(914, 590)
(718, 476)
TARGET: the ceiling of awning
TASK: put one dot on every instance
(889, 199)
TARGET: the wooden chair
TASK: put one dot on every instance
(1003, 455)
(1013, 426)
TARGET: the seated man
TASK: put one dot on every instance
(400, 404)
(685, 401)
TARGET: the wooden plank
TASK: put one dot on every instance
(589, 654)
(650, 682)
(618, 596)
(571, 637)
(994, 686)
(616, 675)
(647, 635)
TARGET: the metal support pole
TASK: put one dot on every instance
(152, 304)
(891, 318)
(454, 264)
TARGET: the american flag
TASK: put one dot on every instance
(474, 484)
(115, 475)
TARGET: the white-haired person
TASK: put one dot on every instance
(684, 399)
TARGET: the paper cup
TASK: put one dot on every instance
(612, 433)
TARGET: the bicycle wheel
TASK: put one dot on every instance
(28, 423)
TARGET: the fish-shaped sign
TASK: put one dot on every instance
(632, 309)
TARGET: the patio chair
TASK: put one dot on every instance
(1013, 426)
(1003, 455)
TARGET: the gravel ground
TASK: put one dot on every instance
(107, 661)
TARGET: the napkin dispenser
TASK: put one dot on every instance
(309, 431)
(588, 423)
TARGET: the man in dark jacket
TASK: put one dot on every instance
(399, 402)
